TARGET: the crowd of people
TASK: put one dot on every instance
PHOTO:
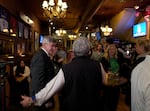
(80, 75)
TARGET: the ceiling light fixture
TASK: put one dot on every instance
(72, 37)
(54, 8)
(136, 7)
(106, 30)
(61, 32)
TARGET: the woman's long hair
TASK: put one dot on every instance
(107, 56)
(19, 69)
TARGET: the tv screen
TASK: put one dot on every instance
(41, 39)
(98, 36)
(139, 29)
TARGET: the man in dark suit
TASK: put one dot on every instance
(42, 70)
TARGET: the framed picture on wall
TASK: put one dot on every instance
(21, 48)
(7, 47)
(36, 40)
(18, 48)
(4, 24)
(26, 32)
(13, 26)
(20, 29)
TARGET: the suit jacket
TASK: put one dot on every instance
(42, 71)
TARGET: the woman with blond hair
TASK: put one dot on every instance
(110, 59)
(111, 63)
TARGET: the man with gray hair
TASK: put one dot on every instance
(81, 47)
(79, 81)
(42, 70)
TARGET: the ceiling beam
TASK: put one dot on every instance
(91, 7)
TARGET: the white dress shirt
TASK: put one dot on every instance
(51, 88)
(140, 86)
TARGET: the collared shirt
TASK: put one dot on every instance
(45, 51)
(140, 86)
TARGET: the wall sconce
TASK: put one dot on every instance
(106, 30)
(26, 18)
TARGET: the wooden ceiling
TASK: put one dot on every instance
(83, 13)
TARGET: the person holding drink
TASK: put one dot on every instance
(111, 64)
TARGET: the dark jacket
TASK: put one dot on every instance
(83, 80)
(42, 71)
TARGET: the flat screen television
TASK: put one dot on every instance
(139, 29)
(41, 39)
(98, 36)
